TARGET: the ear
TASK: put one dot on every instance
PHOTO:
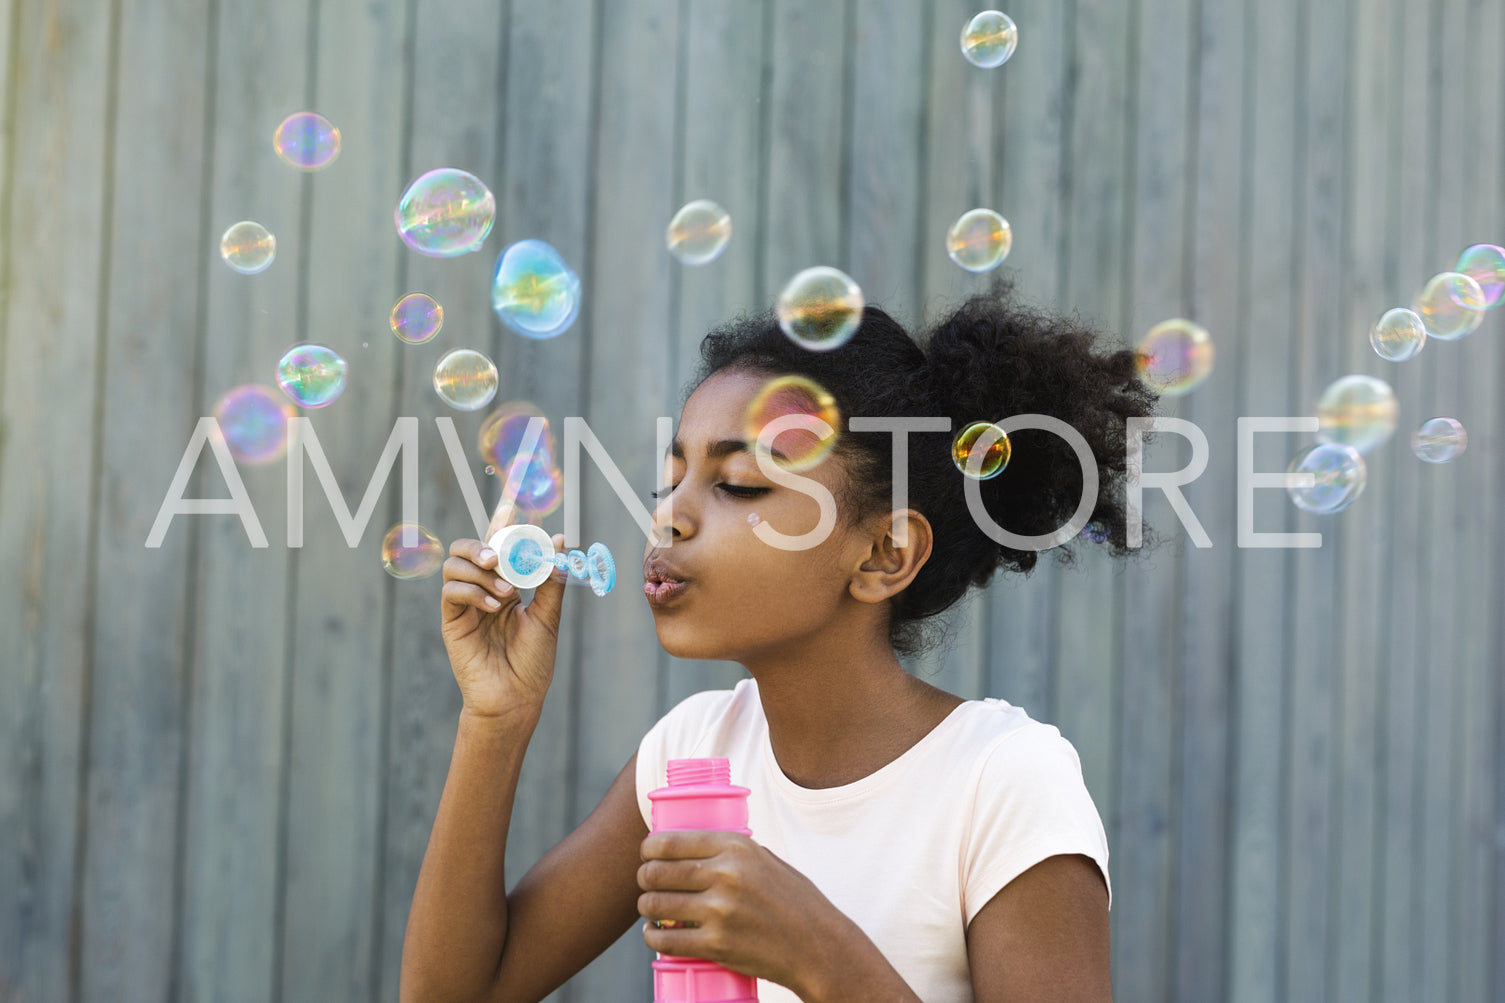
(887, 569)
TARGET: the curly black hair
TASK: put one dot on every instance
(989, 359)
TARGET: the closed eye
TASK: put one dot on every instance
(735, 490)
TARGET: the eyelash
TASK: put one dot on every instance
(736, 491)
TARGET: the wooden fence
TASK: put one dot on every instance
(219, 763)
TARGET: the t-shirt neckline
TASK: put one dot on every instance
(880, 776)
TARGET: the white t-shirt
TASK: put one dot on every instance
(913, 851)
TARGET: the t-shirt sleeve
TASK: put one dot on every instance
(1031, 803)
(677, 735)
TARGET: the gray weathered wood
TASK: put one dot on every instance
(57, 177)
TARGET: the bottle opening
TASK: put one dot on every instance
(707, 770)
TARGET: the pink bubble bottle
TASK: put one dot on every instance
(700, 795)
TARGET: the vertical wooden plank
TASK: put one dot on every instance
(52, 312)
(1029, 189)
(803, 175)
(1313, 573)
(148, 357)
(233, 811)
(340, 593)
(1090, 601)
(1443, 392)
(1215, 287)
(1476, 868)
(1158, 80)
(630, 266)
(1411, 193)
(550, 69)
(720, 130)
(1363, 531)
(454, 122)
(1265, 346)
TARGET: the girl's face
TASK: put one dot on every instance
(744, 599)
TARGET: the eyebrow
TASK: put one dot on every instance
(721, 448)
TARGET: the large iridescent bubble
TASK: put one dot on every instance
(1451, 305)
(820, 308)
(307, 140)
(1439, 440)
(979, 240)
(533, 291)
(445, 213)
(1338, 472)
(312, 375)
(994, 455)
(1398, 335)
(805, 443)
(465, 379)
(1485, 264)
(253, 420)
(1358, 411)
(699, 232)
(416, 318)
(989, 39)
(248, 247)
(409, 550)
(504, 434)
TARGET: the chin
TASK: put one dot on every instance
(684, 641)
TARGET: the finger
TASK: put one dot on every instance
(458, 569)
(681, 843)
(501, 518)
(458, 595)
(693, 875)
(680, 907)
(474, 551)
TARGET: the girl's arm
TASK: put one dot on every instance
(1044, 936)
(467, 939)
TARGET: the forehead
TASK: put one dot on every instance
(719, 403)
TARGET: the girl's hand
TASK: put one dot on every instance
(502, 652)
(753, 913)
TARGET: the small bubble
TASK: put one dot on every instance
(533, 291)
(312, 375)
(1339, 476)
(979, 240)
(989, 39)
(490, 470)
(307, 141)
(753, 519)
(1174, 356)
(1095, 532)
(445, 213)
(411, 551)
(806, 442)
(416, 318)
(1439, 440)
(1357, 411)
(1451, 305)
(699, 232)
(253, 420)
(465, 379)
(1398, 335)
(820, 308)
(248, 247)
(994, 456)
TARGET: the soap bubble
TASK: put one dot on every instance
(820, 308)
(417, 318)
(993, 456)
(979, 240)
(1339, 472)
(1439, 440)
(445, 213)
(465, 379)
(411, 551)
(1095, 532)
(989, 39)
(540, 485)
(1398, 335)
(312, 375)
(805, 443)
(1451, 305)
(248, 247)
(533, 291)
(307, 141)
(1485, 264)
(1174, 356)
(253, 421)
(753, 518)
(1357, 411)
(699, 232)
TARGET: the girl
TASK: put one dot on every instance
(907, 844)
